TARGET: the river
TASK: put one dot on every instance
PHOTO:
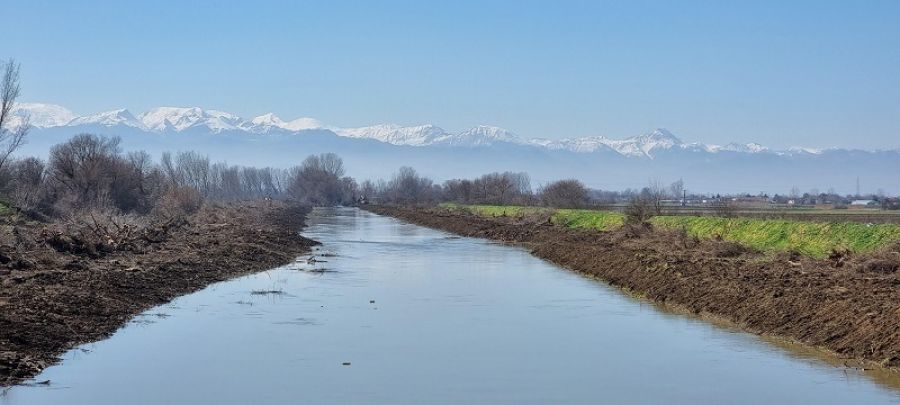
(396, 313)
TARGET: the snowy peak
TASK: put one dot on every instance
(481, 135)
(637, 146)
(176, 118)
(183, 118)
(660, 136)
(419, 135)
(109, 119)
(40, 115)
(739, 147)
(799, 150)
(579, 145)
(267, 122)
(647, 143)
(303, 123)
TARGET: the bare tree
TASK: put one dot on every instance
(407, 187)
(655, 192)
(460, 191)
(10, 138)
(676, 189)
(318, 181)
(564, 194)
(27, 177)
(85, 167)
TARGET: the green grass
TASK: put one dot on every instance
(600, 220)
(589, 219)
(816, 239)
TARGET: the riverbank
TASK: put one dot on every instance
(848, 304)
(59, 294)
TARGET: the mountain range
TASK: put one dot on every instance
(192, 119)
(657, 154)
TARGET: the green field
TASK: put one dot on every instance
(601, 220)
(816, 239)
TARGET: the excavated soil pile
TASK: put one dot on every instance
(65, 292)
(848, 304)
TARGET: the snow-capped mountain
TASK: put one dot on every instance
(41, 115)
(178, 119)
(803, 150)
(738, 147)
(637, 146)
(195, 119)
(268, 122)
(481, 135)
(420, 135)
(109, 119)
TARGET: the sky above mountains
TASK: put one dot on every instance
(820, 74)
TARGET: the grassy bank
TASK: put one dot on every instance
(815, 239)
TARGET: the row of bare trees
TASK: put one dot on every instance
(91, 171)
(493, 188)
(409, 187)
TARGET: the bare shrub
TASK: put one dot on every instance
(640, 210)
(95, 233)
(179, 201)
(25, 183)
(726, 209)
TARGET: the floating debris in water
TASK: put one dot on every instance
(267, 292)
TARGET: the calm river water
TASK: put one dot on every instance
(404, 314)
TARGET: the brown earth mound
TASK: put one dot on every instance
(847, 304)
(70, 288)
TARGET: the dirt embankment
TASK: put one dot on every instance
(849, 305)
(61, 293)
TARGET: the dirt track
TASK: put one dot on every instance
(849, 305)
(63, 299)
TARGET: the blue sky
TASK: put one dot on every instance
(811, 73)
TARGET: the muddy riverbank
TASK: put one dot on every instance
(56, 296)
(848, 305)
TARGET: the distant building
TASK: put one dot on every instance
(863, 203)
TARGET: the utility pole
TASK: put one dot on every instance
(857, 187)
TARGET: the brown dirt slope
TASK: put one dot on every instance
(58, 296)
(849, 305)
